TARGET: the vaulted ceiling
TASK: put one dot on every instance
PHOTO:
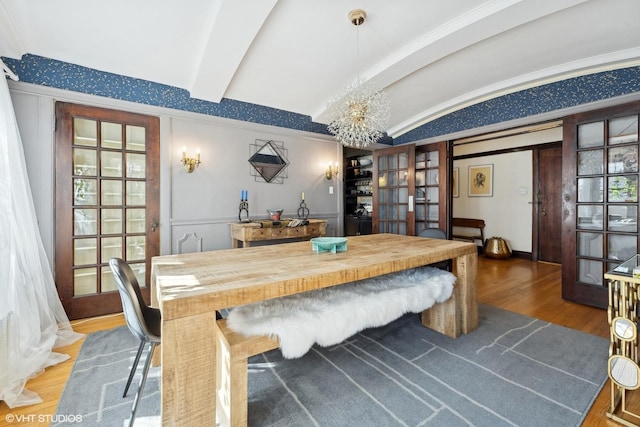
(431, 57)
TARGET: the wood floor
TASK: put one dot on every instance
(532, 289)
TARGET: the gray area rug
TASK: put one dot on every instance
(512, 371)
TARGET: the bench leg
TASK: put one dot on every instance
(232, 401)
(459, 314)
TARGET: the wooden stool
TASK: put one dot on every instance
(233, 350)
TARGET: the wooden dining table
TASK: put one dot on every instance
(190, 288)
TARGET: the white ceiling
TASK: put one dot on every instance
(431, 57)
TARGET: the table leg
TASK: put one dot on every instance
(459, 314)
(234, 243)
(188, 395)
(466, 269)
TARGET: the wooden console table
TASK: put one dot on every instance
(246, 233)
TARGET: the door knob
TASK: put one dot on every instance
(154, 225)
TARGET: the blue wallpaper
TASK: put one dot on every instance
(529, 102)
(567, 93)
(62, 75)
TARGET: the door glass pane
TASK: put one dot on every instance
(590, 271)
(433, 177)
(623, 218)
(621, 247)
(590, 190)
(85, 132)
(433, 212)
(382, 164)
(135, 193)
(136, 248)
(393, 161)
(139, 270)
(85, 281)
(393, 212)
(136, 165)
(108, 282)
(402, 212)
(111, 192)
(393, 195)
(432, 194)
(382, 212)
(590, 244)
(382, 179)
(84, 191)
(136, 220)
(404, 177)
(420, 195)
(111, 164)
(136, 137)
(382, 226)
(111, 248)
(623, 189)
(421, 161)
(420, 213)
(84, 162)
(623, 129)
(623, 159)
(591, 135)
(403, 161)
(590, 162)
(402, 228)
(403, 195)
(393, 227)
(111, 135)
(85, 222)
(432, 159)
(84, 251)
(392, 178)
(590, 217)
(112, 221)
(420, 178)
(383, 195)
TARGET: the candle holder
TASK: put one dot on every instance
(243, 209)
(303, 210)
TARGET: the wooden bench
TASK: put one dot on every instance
(233, 349)
(468, 223)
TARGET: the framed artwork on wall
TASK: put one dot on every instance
(481, 181)
(455, 182)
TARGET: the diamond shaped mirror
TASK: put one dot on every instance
(268, 161)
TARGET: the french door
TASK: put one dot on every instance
(410, 191)
(107, 203)
(393, 190)
(600, 199)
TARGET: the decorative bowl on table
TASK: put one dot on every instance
(274, 214)
(329, 244)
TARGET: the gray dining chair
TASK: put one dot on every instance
(436, 233)
(143, 321)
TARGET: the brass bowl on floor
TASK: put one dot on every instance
(496, 247)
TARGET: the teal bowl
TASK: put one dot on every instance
(329, 244)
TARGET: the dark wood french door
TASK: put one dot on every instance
(410, 188)
(600, 199)
(547, 212)
(107, 203)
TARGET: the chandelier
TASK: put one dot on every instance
(359, 114)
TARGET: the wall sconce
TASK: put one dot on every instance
(331, 171)
(190, 163)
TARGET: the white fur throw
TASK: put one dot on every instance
(328, 316)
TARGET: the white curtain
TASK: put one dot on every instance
(32, 320)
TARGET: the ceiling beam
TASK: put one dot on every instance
(229, 37)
